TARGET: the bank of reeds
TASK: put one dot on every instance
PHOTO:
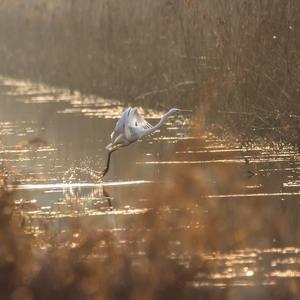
(238, 62)
(160, 254)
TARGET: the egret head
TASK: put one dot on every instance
(174, 110)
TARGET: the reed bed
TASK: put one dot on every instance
(237, 63)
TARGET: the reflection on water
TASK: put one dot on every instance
(53, 147)
(245, 266)
(70, 186)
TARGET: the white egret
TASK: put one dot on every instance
(131, 127)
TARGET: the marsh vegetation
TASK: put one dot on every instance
(236, 62)
(207, 208)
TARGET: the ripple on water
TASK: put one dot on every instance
(87, 105)
(250, 267)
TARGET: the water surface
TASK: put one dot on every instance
(53, 144)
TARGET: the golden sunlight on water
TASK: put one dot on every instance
(226, 212)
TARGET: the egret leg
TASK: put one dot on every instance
(108, 161)
(107, 164)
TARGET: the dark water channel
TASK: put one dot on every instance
(52, 142)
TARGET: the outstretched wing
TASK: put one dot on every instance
(130, 127)
(121, 125)
(137, 120)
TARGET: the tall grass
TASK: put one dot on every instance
(156, 255)
(225, 58)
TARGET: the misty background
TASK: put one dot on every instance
(235, 62)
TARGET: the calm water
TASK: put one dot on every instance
(53, 145)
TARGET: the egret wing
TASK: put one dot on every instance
(121, 124)
(137, 120)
